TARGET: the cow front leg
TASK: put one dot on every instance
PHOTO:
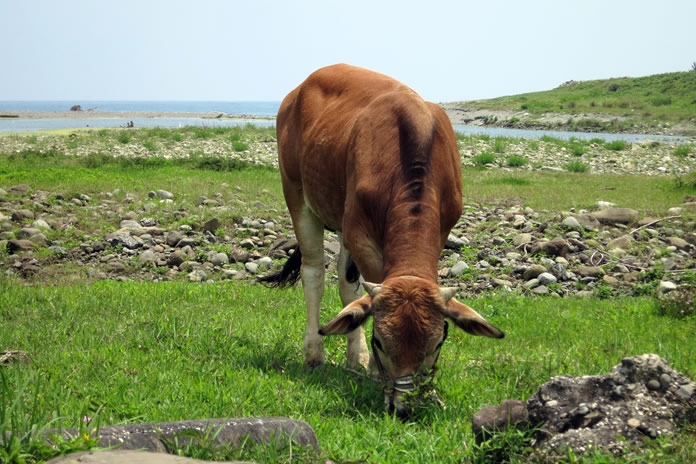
(310, 236)
(350, 289)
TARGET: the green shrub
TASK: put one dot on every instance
(516, 161)
(239, 146)
(682, 150)
(499, 146)
(150, 145)
(576, 166)
(616, 145)
(124, 138)
(483, 159)
(661, 101)
(577, 149)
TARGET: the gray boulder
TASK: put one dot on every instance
(641, 398)
(616, 215)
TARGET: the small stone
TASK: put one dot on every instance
(212, 225)
(533, 271)
(27, 232)
(220, 259)
(22, 215)
(265, 262)
(680, 243)
(455, 243)
(571, 223)
(165, 195)
(653, 384)
(173, 238)
(458, 269)
(247, 243)
(541, 290)
(40, 224)
(633, 422)
(685, 392)
(590, 271)
(624, 242)
(20, 189)
(147, 257)
(116, 266)
(522, 239)
(666, 286)
(14, 246)
(546, 278)
(176, 258)
(252, 268)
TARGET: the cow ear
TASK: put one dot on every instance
(470, 321)
(350, 318)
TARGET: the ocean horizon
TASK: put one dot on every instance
(257, 108)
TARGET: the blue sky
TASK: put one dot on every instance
(262, 49)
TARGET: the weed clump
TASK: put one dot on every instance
(678, 303)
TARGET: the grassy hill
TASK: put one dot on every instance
(664, 103)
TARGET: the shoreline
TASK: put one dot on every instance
(49, 114)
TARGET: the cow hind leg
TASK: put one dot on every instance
(310, 236)
(350, 289)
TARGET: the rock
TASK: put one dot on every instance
(640, 397)
(533, 271)
(616, 215)
(197, 275)
(554, 248)
(115, 266)
(455, 243)
(624, 242)
(20, 189)
(458, 268)
(541, 290)
(238, 255)
(39, 239)
(521, 239)
(251, 267)
(571, 223)
(590, 271)
(40, 224)
(22, 215)
(124, 239)
(546, 278)
(265, 262)
(27, 232)
(666, 286)
(163, 194)
(123, 456)
(14, 246)
(587, 221)
(498, 418)
(176, 258)
(147, 257)
(230, 433)
(220, 259)
(604, 205)
(173, 238)
(680, 243)
(212, 225)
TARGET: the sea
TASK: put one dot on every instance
(253, 108)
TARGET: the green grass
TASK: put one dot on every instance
(143, 352)
(516, 161)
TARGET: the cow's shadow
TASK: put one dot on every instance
(359, 394)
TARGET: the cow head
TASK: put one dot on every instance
(409, 328)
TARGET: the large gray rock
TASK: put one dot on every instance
(152, 437)
(125, 456)
(616, 215)
(643, 397)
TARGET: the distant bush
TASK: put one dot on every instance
(483, 159)
(613, 87)
(124, 138)
(682, 150)
(576, 166)
(239, 146)
(661, 101)
(516, 161)
(499, 146)
(577, 149)
(616, 145)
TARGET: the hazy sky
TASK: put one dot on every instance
(261, 49)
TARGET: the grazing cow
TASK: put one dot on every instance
(363, 155)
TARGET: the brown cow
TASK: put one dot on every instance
(363, 155)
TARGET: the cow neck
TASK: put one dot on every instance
(412, 241)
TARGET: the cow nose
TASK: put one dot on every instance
(402, 412)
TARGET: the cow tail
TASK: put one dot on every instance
(288, 275)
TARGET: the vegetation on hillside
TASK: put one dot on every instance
(659, 101)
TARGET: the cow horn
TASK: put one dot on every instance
(372, 289)
(448, 293)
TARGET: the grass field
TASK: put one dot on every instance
(125, 352)
(140, 352)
